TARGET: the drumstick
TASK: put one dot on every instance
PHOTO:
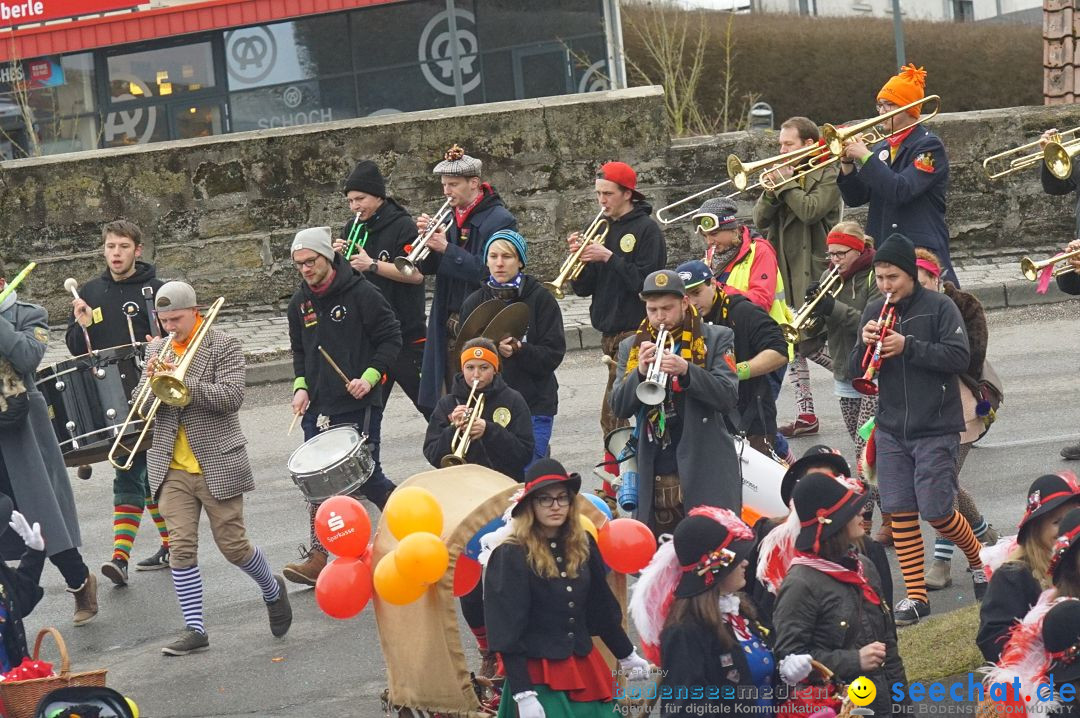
(334, 365)
(292, 424)
(72, 286)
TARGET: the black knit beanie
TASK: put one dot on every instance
(367, 178)
(898, 251)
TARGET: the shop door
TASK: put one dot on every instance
(542, 71)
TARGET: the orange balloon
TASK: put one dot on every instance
(343, 526)
(391, 586)
(411, 509)
(422, 557)
(627, 545)
(588, 525)
(467, 573)
(343, 588)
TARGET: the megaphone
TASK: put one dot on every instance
(619, 444)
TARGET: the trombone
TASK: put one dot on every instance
(668, 207)
(740, 171)
(168, 388)
(460, 441)
(1033, 269)
(1026, 159)
(804, 319)
(420, 250)
(653, 388)
(1058, 157)
(836, 138)
(572, 266)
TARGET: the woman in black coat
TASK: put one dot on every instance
(529, 364)
(1015, 585)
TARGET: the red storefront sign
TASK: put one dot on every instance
(23, 12)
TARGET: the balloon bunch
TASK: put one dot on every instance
(344, 528)
(420, 559)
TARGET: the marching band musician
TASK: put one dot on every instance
(759, 349)
(116, 296)
(457, 261)
(795, 218)
(919, 417)
(1069, 282)
(32, 470)
(529, 363)
(382, 230)
(685, 455)
(615, 269)
(1058, 187)
(199, 462)
(337, 311)
(904, 177)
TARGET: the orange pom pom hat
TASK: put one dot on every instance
(905, 87)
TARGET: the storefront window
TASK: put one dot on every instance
(287, 52)
(196, 121)
(61, 85)
(301, 103)
(161, 73)
(136, 126)
(68, 134)
(400, 89)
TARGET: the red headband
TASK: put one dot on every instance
(928, 266)
(546, 477)
(847, 240)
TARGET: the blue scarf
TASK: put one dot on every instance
(514, 283)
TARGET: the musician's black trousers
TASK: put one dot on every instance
(406, 373)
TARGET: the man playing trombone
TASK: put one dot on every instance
(685, 455)
(795, 217)
(903, 177)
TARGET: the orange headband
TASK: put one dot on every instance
(480, 353)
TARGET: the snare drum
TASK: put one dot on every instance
(334, 463)
(89, 398)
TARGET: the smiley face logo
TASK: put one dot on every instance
(862, 691)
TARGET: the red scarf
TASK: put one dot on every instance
(839, 573)
(320, 289)
(461, 214)
(898, 139)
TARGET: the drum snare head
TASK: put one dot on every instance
(324, 450)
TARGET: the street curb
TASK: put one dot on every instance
(1015, 294)
(269, 372)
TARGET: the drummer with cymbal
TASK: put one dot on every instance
(113, 309)
(532, 345)
(338, 316)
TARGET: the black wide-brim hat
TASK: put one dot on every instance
(1068, 537)
(1048, 492)
(544, 473)
(825, 505)
(1061, 637)
(819, 455)
(708, 550)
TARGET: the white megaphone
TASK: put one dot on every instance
(619, 444)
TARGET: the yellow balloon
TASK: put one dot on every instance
(411, 509)
(588, 525)
(422, 557)
(391, 586)
(134, 708)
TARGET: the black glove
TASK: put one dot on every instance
(812, 291)
(825, 306)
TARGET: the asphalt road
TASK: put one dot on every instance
(326, 667)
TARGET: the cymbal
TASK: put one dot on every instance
(474, 324)
(513, 321)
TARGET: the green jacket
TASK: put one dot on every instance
(843, 323)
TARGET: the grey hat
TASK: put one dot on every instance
(717, 213)
(458, 164)
(317, 239)
(175, 295)
(663, 281)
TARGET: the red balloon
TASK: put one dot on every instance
(344, 587)
(466, 575)
(627, 545)
(343, 526)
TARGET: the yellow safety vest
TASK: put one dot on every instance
(739, 278)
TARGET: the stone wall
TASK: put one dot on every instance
(219, 212)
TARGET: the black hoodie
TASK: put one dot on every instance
(354, 323)
(114, 300)
(638, 250)
(531, 371)
(390, 230)
(507, 443)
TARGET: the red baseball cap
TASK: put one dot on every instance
(623, 175)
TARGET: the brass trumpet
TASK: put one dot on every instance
(803, 319)
(1026, 159)
(1058, 157)
(167, 387)
(460, 441)
(420, 249)
(1033, 269)
(572, 267)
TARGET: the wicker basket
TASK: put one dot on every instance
(21, 698)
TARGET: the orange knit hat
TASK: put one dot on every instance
(905, 87)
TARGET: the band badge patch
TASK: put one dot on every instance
(464, 238)
(96, 316)
(384, 256)
(627, 243)
(41, 334)
(501, 416)
(307, 314)
(338, 313)
(661, 280)
(925, 162)
(130, 309)
(883, 155)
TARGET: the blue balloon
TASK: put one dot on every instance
(600, 504)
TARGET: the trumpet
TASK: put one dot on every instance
(866, 383)
(460, 441)
(166, 386)
(653, 388)
(804, 319)
(1058, 157)
(1026, 159)
(420, 249)
(1032, 269)
(572, 267)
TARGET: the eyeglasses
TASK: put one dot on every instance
(885, 106)
(548, 501)
(307, 263)
(839, 255)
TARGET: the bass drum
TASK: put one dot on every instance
(89, 397)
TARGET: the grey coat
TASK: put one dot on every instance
(212, 422)
(39, 479)
(708, 465)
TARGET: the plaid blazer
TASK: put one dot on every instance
(216, 378)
